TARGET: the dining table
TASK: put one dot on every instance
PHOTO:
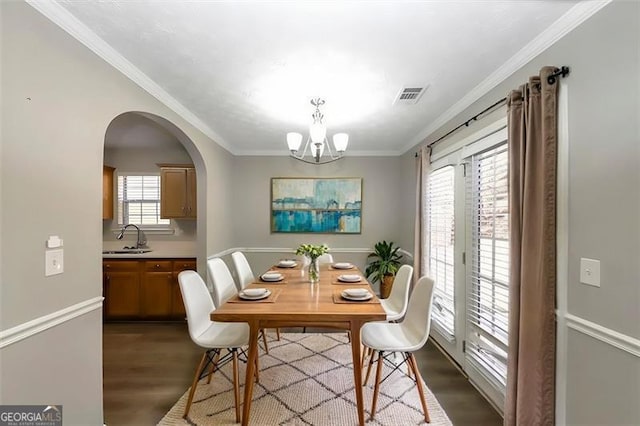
(295, 302)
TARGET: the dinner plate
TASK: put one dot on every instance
(343, 265)
(243, 295)
(287, 263)
(349, 278)
(254, 292)
(356, 292)
(272, 277)
(367, 296)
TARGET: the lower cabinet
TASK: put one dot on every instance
(144, 289)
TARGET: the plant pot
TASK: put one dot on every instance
(386, 285)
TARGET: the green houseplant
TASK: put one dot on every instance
(382, 266)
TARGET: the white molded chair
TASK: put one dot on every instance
(243, 270)
(325, 258)
(245, 275)
(407, 337)
(213, 336)
(224, 287)
(396, 304)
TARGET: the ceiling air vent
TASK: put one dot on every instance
(409, 95)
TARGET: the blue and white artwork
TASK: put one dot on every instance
(316, 205)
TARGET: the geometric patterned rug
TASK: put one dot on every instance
(307, 379)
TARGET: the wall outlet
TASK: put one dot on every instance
(590, 272)
(53, 262)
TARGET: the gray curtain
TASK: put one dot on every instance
(532, 126)
(421, 248)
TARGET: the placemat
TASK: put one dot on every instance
(338, 282)
(337, 298)
(271, 299)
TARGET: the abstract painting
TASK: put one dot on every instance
(316, 205)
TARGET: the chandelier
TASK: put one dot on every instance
(317, 150)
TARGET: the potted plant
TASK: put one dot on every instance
(382, 266)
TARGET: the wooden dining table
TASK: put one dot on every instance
(299, 303)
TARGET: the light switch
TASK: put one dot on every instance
(54, 262)
(590, 272)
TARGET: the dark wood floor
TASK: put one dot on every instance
(148, 366)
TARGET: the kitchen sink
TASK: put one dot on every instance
(127, 251)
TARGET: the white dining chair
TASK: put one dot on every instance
(245, 275)
(325, 258)
(210, 335)
(396, 304)
(224, 287)
(405, 337)
(243, 270)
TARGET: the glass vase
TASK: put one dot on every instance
(314, 271)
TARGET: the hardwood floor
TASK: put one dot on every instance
(148, 366)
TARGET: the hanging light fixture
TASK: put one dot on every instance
(317, 144)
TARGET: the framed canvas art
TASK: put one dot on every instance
(316, 205)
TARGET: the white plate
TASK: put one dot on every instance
(242, 295)
(272, 277)
(349, 278)
(356, 292)
(343, 265)
(287, 263)
(254, 292)
(366, 297)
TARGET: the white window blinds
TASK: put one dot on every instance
(139, 200)
(440, 216)
(488, 304)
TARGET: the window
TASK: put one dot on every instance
(139, 200)
(488, 304)
(440, 216)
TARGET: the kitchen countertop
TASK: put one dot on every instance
(159, 250)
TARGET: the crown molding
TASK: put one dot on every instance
(69, 23)
(565, 24)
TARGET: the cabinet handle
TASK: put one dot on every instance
(157, 266)
(107, 266)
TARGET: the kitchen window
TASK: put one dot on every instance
(139, 200)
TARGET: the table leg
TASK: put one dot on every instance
(357, 368)
(254, 328)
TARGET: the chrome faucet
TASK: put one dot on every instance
(142, 238)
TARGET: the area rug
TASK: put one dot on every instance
(307, 379)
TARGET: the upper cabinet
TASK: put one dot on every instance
(178, 198)
(107, 192)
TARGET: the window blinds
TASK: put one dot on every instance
(139, 200)
(440, 214)
(488, 295)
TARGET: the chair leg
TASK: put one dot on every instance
(278, 334)
(236, 388)
(365, 353)
(264, 341)
(214, 364)
(366, 379)
(416, 374)
(193, 385)
(376, 389)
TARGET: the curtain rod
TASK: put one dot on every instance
(563, 71)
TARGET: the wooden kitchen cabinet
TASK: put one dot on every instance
(178, 192)
(107, 192)
(144, 289)
(121, 289)
(157, 280)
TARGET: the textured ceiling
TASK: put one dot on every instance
(248, 69)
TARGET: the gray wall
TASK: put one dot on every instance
(58, 99)
(599, 383)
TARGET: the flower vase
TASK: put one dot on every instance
(314, 271)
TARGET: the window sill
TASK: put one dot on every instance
(148, 231)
